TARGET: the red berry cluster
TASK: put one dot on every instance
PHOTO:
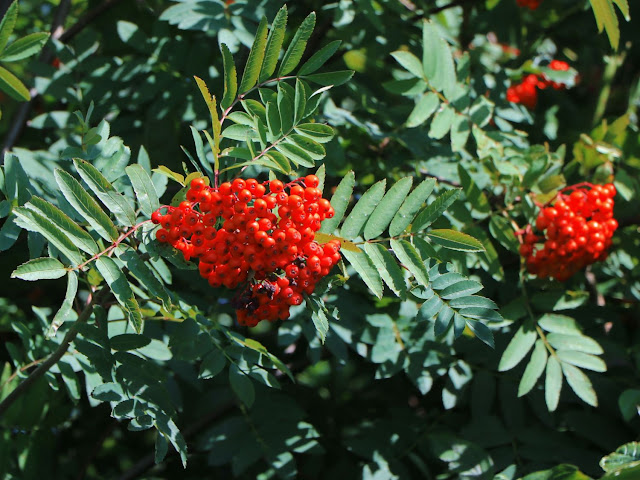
(262, 242)
(531, 4)
(526, 91)
(575, 232)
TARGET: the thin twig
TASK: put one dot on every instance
(55, 356)
(22, 369)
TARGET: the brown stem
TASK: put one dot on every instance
(55, 356)
(22, 369)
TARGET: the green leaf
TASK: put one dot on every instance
(332, 79)
(579, 343)
(410, 258)
(580, 384)
(461, 289)
(318, 317)
(66, 309)
(128, 341)
(340, 202)
(256, 55)
(285, 108)
(425, 107)
(319, 58)
(553, 384)
(34, 222)
(361, 211)
(387, 208)
(296, 48)
(79, 236)
(7, 24)
(319, 132)
(85, 205)
(242, 386)
(625, 456)
(121, 290)
(473, 194)
(460, 130)
(606, 18)
(434, 210)
(518, 348)
(24, 47)
(10, 84)
(443, 321)
(442, 122)
(411, 206)
(366, 269)
(623, 5)
(212, 364)
(409, 62)
(299, 103)
(108, 195)
(274, 44)
(481, 331)
(503, 232)
(437, 60)
(296, 154)
(430, 308)
(471, 301)
(273, 120)
(454, 240)
(534, 369)
(44, 268)
(143, 273)
(144, 188)
(582, 360)
(230, 78)
(388, 268)
(555, 323)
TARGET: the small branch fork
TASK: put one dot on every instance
(107, 251)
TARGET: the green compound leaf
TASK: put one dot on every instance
(143, 187)
(85, 205)
(534, 369)
(410, 258)
(114, 201)
(256, 56)
(387, 208)
(411, 206)
(553, 384)
(44, 268)
(364, 266)
(389, 269)
(361, 211)
(274, 44)
(518, 348)
(580, 384)
(121, 290)
(319, 58)
(230, 77)
(434, 210)
(296, 48)
(454, 240)
(340, 202)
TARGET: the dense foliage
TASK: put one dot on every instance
(363, 239)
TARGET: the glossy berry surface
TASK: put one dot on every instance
(572, 233)
(255, 238)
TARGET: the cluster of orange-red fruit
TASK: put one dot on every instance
(526, 92)
(263, 242)
(531, 4)
(575, 232)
